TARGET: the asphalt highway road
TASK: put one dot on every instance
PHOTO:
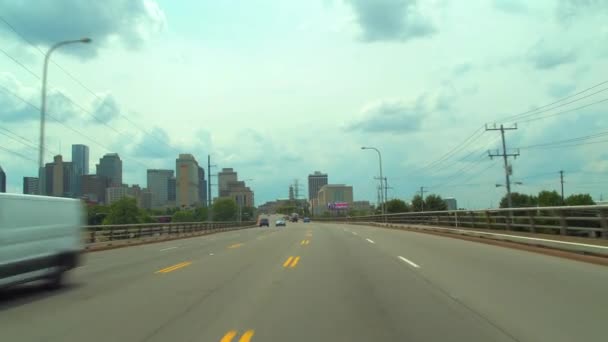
(315, 282)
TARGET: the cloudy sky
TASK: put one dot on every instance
(279, 89)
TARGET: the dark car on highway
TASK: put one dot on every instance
(264, 222)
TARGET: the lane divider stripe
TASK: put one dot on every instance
(229, 336)
(247, 336)
(286, 263)
(174, 267)
(370, 240)
(295, 262)
(413, 264)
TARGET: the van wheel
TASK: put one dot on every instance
(55, 281)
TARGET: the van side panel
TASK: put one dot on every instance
(36, 233)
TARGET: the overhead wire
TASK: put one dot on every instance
(6, 90)
(81, 84)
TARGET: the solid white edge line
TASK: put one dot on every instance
(354, 233)
(413, 264)
(168, 248)
(370, 241)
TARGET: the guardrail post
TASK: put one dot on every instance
(489, 224)
(531, 220)
(563, 223)
(472, 219)
(509, 219)
(111, 233)
(92, 238)
(604, 224)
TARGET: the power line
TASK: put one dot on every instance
(79, 105)
(463, 158)
(18, 154)
(453, 151)
(568, 142)
(567, 111)
(73, 78)
(24, 142)
(65, 125)
(533, 111)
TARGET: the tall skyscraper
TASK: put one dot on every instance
(80, 163)
(186, 181)
(54, 177)
(171, 191)
(2, 180)
(224, 177)
(110, 166)
(315, 182)
(30, 185)
(202, 186)
(158, 185)
(70, 180)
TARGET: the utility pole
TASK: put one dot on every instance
(561, 180)
(422, 191)
(504, 156)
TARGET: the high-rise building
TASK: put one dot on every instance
(115, 193)
(202, 186)
(94, 187)
(224, 177)
(30, 185)
(2, 180)
(70, 181)
(158, 185)
(171, 191)
(451, 203)
(186, 181)
(241, 194)
(315, 182)
(145, 200)
(54, 177)
(110, 166)
(80, 163)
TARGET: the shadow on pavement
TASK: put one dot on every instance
(24, 294)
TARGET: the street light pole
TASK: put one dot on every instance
(43, 95)
(382, 195)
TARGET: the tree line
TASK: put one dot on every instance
(434, 202)
(125, 211)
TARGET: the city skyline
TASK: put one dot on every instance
(301, 102)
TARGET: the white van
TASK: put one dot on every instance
(40, 238)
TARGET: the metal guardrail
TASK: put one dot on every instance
(107, 233)
(584, 221)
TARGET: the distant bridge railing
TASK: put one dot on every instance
(122, 232)
(585, 221)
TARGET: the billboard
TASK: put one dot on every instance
(337, 205)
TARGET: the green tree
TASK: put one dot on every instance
(549, 199)
(201, 214)
(224, 209)
(124, 211)
(519, 200)
(579, 199)
(247, 213)
(417, 203)
(183, 216)
(96, 214)
(434, 202)
(396, 206)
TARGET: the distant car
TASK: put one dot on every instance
(280, 223)
(264, 222)
(306, 219)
